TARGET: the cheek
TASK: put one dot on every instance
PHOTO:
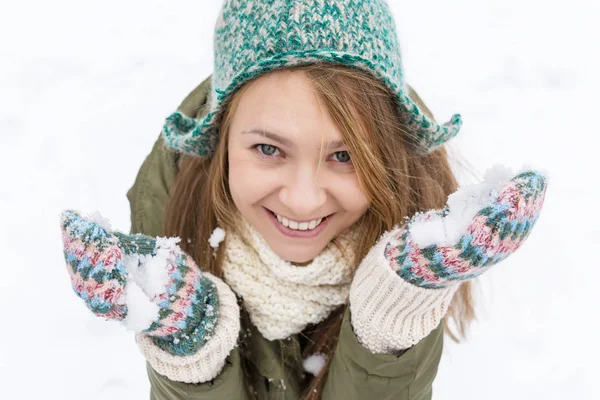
(240, 177)
(357, 203)
(248, 183)
(348, 193)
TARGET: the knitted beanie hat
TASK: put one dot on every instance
(253, 37)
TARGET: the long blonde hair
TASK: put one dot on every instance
(397, 182)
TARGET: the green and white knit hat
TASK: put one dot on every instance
(253, 37)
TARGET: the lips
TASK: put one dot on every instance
(301, 226)
(279, 223)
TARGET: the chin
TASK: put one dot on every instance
(297, 255)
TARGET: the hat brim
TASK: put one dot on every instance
(200, 136)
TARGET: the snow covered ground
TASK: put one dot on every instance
(85, 86)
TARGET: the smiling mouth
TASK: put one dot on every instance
(300, 226)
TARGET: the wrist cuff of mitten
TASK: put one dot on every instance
(387, 313)
(208, 361)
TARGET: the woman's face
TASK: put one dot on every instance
(290, 174)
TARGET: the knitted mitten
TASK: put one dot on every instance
(152, 287)
(402, 289)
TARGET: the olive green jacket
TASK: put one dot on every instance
(354, 373)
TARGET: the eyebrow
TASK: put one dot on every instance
(333, 145)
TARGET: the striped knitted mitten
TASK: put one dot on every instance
(147, 283)
(403, 287)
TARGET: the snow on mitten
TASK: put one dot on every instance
(439, 248)
(149, 284)
(402, 289)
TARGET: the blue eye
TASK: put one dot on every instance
(267, 149)
(342, 156)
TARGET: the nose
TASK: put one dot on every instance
(303, 194)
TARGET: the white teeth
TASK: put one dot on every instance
(302, 226)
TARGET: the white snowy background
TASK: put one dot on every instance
(84, 89)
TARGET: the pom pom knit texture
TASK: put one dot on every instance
(253, 37)
(188, 305)
(497, 231)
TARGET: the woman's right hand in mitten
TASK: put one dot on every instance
(149, 284)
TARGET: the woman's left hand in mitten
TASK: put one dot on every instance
(403, 287)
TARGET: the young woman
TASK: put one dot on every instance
(309, 152)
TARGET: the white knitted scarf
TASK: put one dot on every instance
(282, 299)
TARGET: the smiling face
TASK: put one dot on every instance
(290, 174)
